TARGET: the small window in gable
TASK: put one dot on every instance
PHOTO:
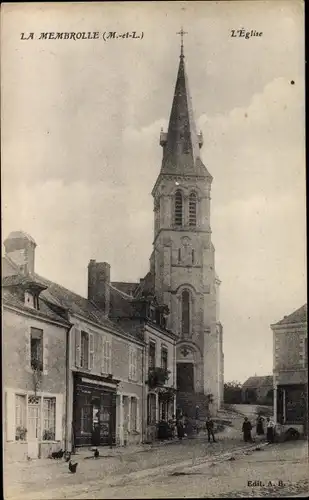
(29, 299)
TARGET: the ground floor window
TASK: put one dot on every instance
(20, 418)
(295, 406)
(133, 416)
(163, 410)
(35, 417)
(151, 409)
(49, 419)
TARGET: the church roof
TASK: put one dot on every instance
(125, 287)
(298, 316)
(181, 144)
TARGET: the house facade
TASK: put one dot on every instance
(290, 372)
(33, 358)
(135, 309)
(80, 371)
(104, 371)
(258, 390)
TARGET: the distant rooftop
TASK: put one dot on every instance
(298, 316)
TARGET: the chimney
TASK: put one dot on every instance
(99, 284)
(20, 248)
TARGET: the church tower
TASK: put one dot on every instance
(183, 259)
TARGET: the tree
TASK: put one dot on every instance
(232, 392)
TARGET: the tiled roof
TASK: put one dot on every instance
(45, 312)
(18, 279)
(256, 382)
(16, 235)
(62, 298)
(76, 304)
(298, 316)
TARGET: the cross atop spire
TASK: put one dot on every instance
(181, 33)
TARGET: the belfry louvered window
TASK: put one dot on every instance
(178, 208)
(192, 209)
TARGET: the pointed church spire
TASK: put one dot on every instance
(181, 144)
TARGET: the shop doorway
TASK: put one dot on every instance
(94, 416)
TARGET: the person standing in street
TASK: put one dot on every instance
(260, 426)
(246, 429)
(180, 428)
(210, 429)
(270, 430)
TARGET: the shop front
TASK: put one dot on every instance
(94, 411)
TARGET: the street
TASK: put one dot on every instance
(192, 468)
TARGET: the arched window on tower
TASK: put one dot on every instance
(192, 209)
(185, 312)
(178, 215)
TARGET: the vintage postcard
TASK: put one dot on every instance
(153, 249)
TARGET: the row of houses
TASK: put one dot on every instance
(80, 371)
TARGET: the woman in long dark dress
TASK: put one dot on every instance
(260, 426)
(246, 429)
(180, 428)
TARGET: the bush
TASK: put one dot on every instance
(291, 435)
(232, 393)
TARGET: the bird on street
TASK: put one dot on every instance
(73, 467)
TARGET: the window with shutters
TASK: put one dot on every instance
(36, 346)
(36, 417)
(84, 354)
(192, 209)
(152, 355)
(164, 358)
(151, 409)
(133, 363)
(106, 356)
(185, 311)
(49, 419)
(84, 350)
(178, 213)
(133, 416)
(20, 417)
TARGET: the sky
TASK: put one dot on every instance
(81, 121)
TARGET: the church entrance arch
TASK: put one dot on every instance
(185, 377)
(189, 368)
